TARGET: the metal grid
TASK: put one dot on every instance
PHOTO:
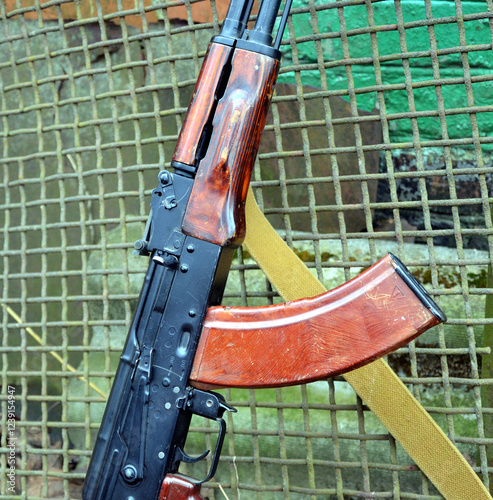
(367, 151)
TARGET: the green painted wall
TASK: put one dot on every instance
(451, 66)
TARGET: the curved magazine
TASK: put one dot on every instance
(370, 316)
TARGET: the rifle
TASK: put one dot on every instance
(181, 342)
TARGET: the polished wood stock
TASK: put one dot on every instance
(176, 487)
(202, 103)
(216, 208)
(310, 339)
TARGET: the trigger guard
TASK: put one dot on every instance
(217, 451)
(181, 456)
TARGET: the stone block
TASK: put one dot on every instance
(306, 168)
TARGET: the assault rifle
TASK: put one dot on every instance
(181, 342)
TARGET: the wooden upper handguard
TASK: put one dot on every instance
(203, 102)
(315, 338)
(216, 207)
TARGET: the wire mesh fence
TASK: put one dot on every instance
(379, 139)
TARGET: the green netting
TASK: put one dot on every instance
(380, 139)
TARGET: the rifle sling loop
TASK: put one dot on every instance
(376, 383)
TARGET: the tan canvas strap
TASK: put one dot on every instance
(376, 383)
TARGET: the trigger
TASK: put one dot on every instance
(181, 456)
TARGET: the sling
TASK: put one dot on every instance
(376, 383)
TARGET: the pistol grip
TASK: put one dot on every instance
(176, 487)
(312, 339)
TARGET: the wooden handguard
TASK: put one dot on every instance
(203, 102)
(216, 208)
(315, 338)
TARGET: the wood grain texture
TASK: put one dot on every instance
(203, 100)
(216, 208)
(310, 339)
(176, 487)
